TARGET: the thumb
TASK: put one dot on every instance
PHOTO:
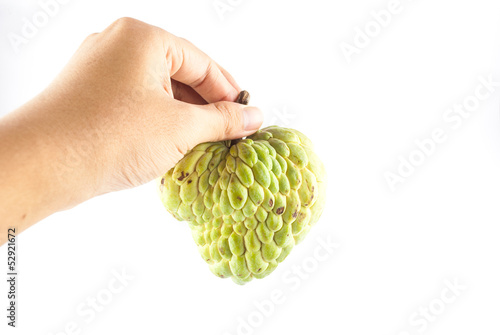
(227, 121)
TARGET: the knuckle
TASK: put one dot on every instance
(136, 36)
(125, 22)
(127, 27)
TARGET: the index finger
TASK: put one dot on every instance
(190, 66)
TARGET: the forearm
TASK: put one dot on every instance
(36, 175)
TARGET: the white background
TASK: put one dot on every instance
(396, 248)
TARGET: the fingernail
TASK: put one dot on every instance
(252, 118)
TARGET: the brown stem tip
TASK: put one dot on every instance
(243, 98)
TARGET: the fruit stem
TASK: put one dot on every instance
(243, 98)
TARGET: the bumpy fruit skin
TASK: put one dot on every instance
(248, 203)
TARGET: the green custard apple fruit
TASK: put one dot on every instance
(248, 202)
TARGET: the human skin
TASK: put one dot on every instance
(131, 102)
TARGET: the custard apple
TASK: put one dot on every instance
(248, 202)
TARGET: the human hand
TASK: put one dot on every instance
(130, 103)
